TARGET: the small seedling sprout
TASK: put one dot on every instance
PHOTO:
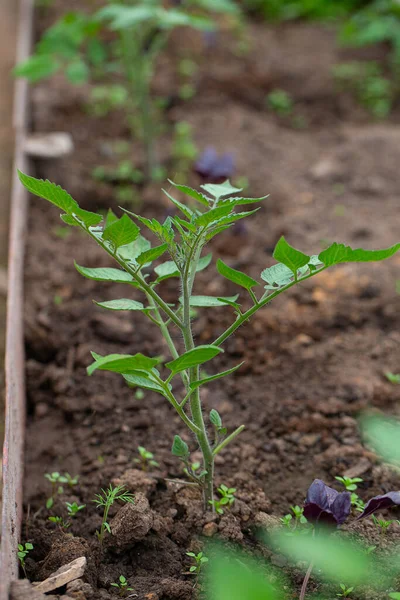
(122, 586)
(199, 560)
(345, 591)
(74, 508)
(226, 500)
(350, 483)
(392, 377)
(60, 522)
(105, 500)
(22, 553)
(146, 459)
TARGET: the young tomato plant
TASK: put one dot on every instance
(184, 237)
(105, 500)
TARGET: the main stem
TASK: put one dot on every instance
(195, 401)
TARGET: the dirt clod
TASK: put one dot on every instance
(131, 523)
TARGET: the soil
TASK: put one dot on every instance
(314, 359)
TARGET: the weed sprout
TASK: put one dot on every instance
(105, 500)
(23, 551)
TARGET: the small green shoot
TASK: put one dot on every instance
(122, 586)
(292, 521)
(227, 499)
(199, 560)
(280, 102)
(350, 483)
(23, 551)
(105, 500)
(382, 524)
(393, 377)
(74, 508)
(394, 595)
(346, 592)
(146, 460)
(59, 521)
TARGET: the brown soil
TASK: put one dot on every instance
(314, 358)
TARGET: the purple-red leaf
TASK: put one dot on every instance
(214, 167)
(380, 502)
(325, 505)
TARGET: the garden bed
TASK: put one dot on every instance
(313, 359)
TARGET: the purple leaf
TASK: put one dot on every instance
(380, 502)
(325, 505)
(215, 168)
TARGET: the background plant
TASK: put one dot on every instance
(75, 46)
(184, 236)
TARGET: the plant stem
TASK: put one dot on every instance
(227, 440)
(305, 582)
(143, 285)
(194, 375)
(253, 309)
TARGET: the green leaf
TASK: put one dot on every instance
(230, 219)
(289, 256)
(37, 67)
(192, 193)
(383, 435)
(277, 275)
(236, 276)
(339, 253)
(233, 576)
(204, 262)
(237, 201)
(179, 447)
(209, 301)
(226, 7)
(215, 418)
(218, 190)
(166, 270)
(213, 215)
(77, 72)
(123, 17)
(192, 358)
(96, 52)
(134, 249)
(121, 232)
(206, 380)
(140, 380)
(339, 560)
(122, 304)
(110, 218)
(122, 363)
(105, 274)
(88, 218)
(49, 191)
(184, 209)
(149, 255)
